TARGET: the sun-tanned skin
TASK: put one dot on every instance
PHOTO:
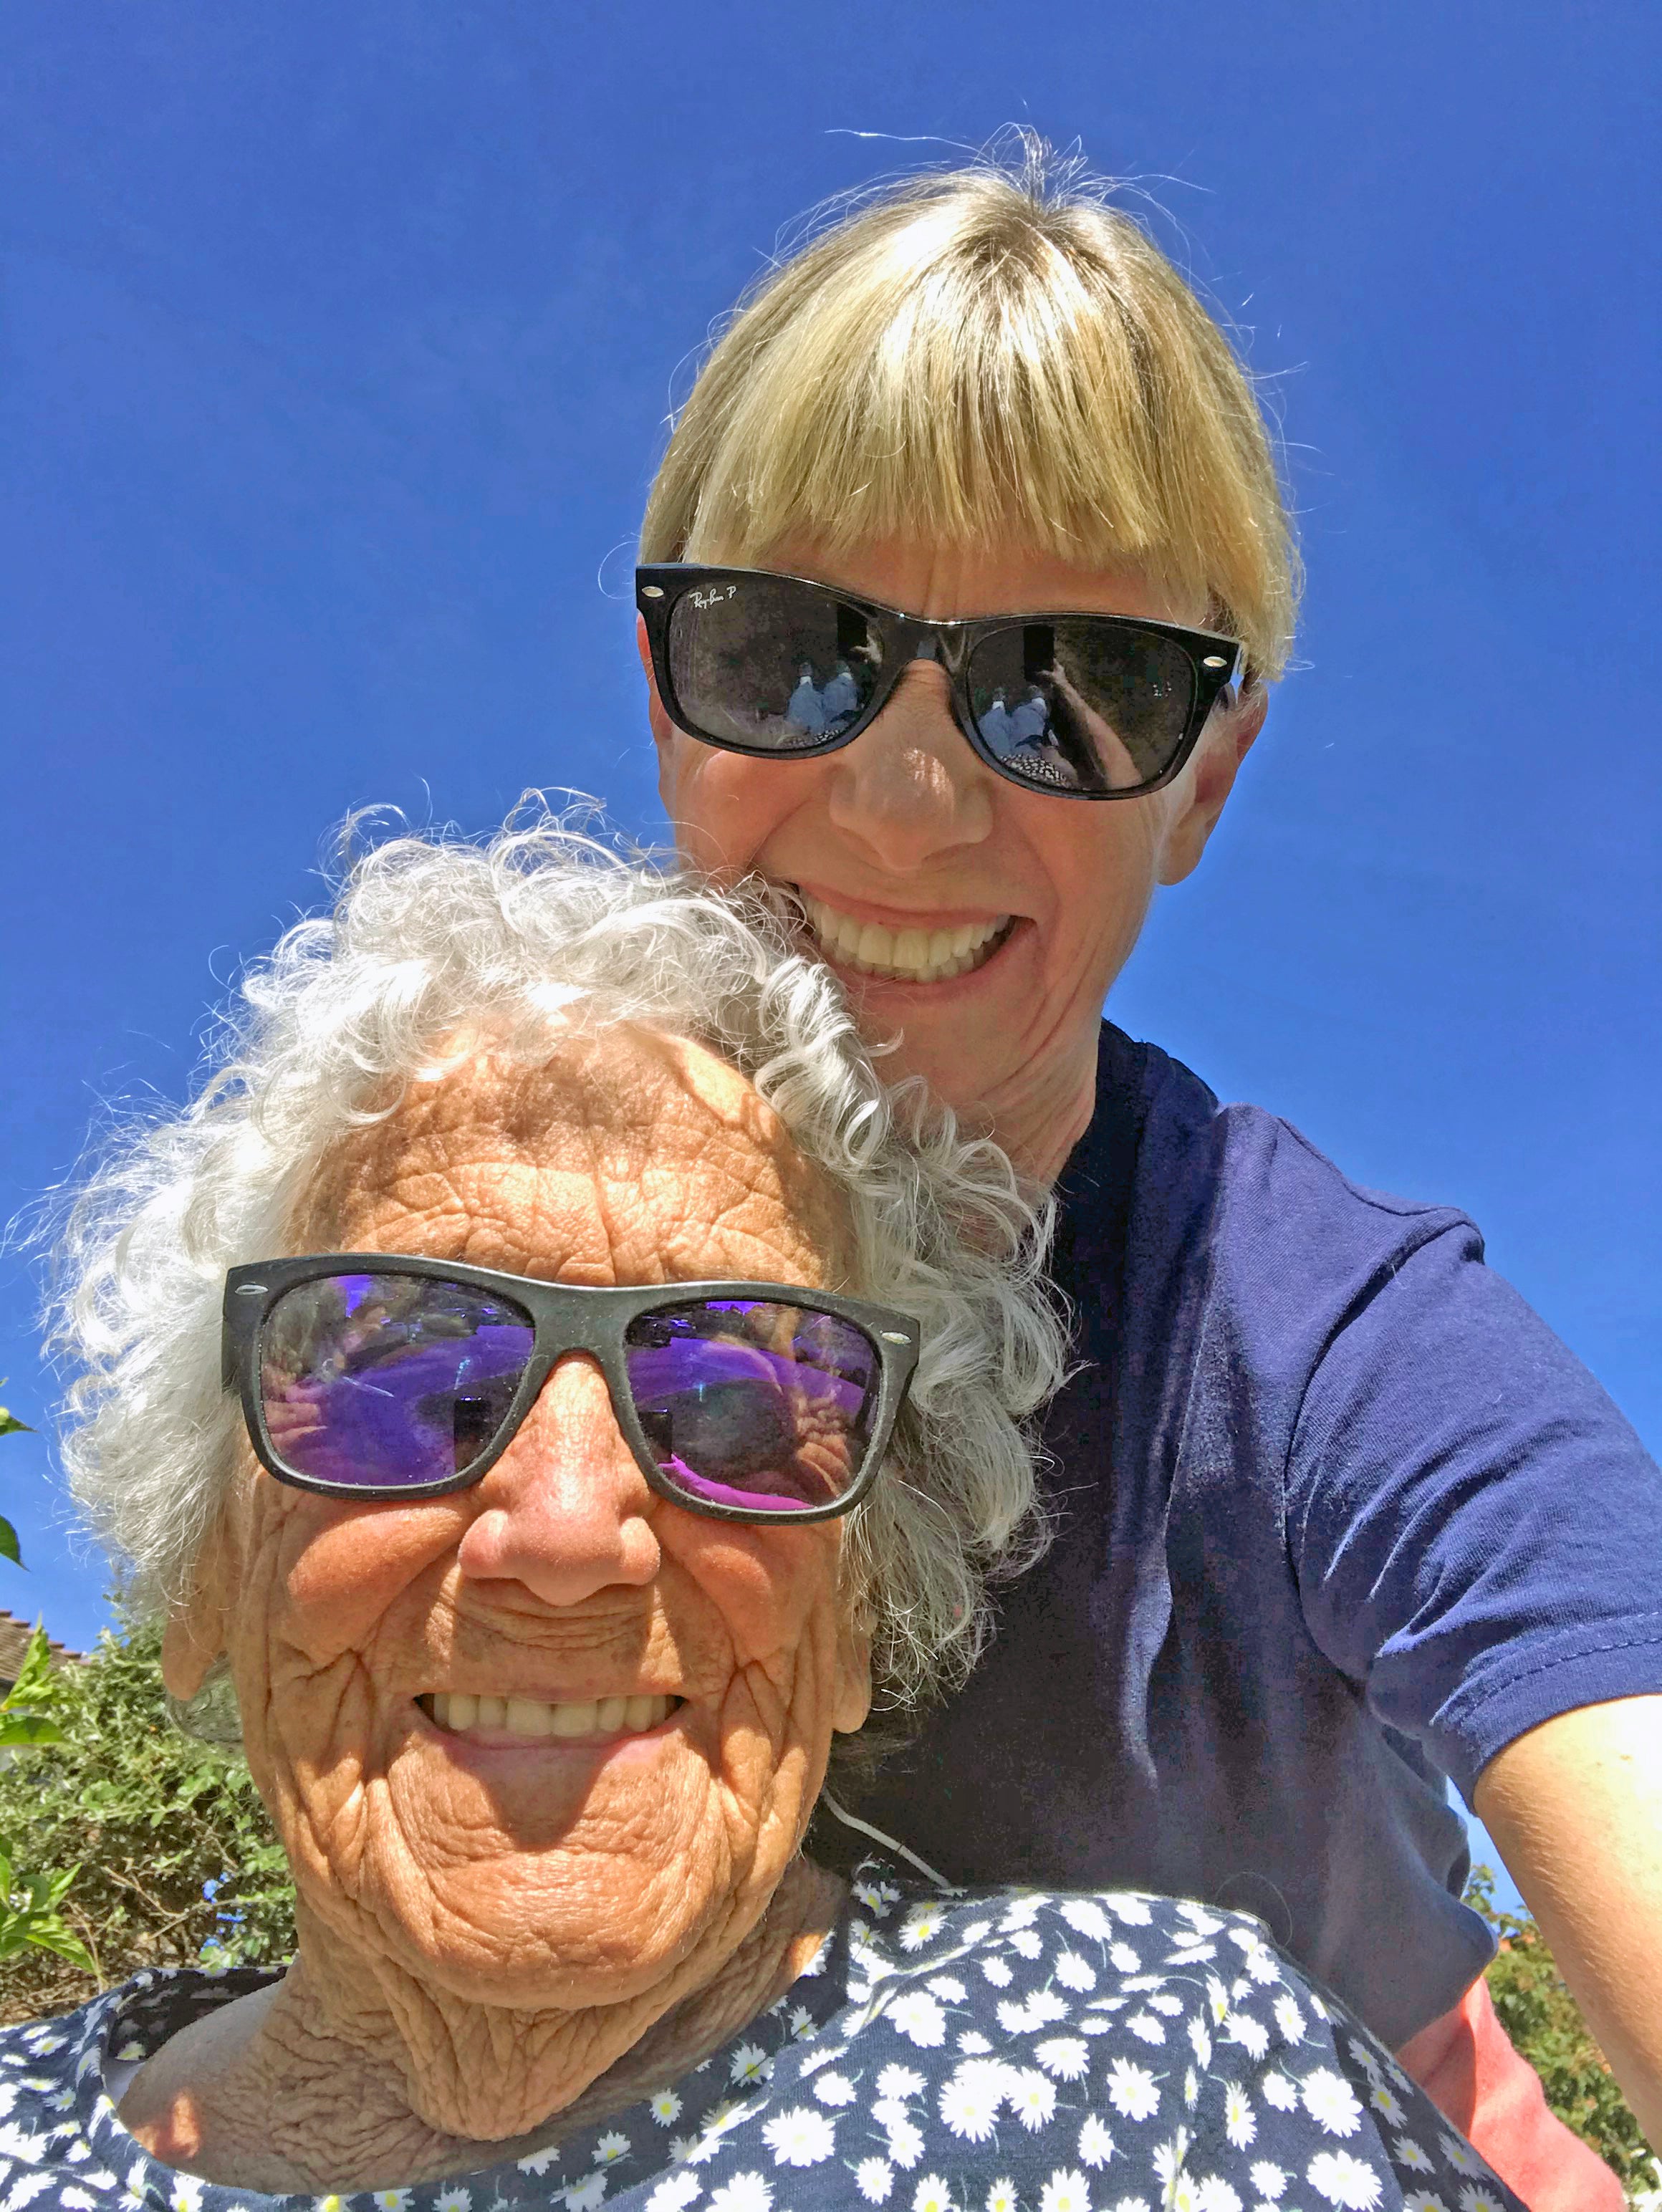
(489, 1928)
(907, 827)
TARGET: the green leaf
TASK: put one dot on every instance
(53, 1936)
(36, 1686)
(9, 1424)
(21, 1731)
(8, 1542)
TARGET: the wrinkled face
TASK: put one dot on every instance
(1035, 900)
(700, 1666)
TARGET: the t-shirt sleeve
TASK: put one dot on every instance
(1476, 1528)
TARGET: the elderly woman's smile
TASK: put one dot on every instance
(551, 1736)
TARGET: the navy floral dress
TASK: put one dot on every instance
(993, 2052)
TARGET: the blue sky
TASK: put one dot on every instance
(337, 346)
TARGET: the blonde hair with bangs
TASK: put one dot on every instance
(985, 356)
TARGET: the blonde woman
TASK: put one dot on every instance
(1337, 1516)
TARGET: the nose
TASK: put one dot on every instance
(565, 1511)
(909, 789)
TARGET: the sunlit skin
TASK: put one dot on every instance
(907, 827)
(489, 1928)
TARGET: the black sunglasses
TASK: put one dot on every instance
(376, 1375)
(1086, 706)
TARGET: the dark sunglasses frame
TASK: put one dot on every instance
(659, 589)
(566, 1317)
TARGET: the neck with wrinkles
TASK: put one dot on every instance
(353, 2074)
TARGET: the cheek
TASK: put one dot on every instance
(323, 1574)
(724, 807)
(1102, 871)
(776, 1597)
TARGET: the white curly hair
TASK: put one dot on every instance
(431, 938)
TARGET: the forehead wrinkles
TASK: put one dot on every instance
(627, 1149)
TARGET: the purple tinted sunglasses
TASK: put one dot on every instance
(376, 1375)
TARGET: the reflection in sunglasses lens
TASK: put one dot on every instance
(1076, 706)
(771, 664)
(379, 1382)
(746, 1402)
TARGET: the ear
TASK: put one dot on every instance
(1209, 782)
(663, 730)
(853, 1702)
(196, 1633)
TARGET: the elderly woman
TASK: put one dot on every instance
(980, 445)
(504, 1368)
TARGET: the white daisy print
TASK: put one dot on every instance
(1095, 2145)
(1199, 2041)
(1344, 2180)
(393, 2200)
(610, 2148)
(1331, 2103)
(800, 2136)
(1251, 2034)
(1279, 2092)
(1238, 2123)
(1388, 2102)
(1364, 2056)
(1133, 1911)
(921, 1925)
(664, 2107)
(1065, 2191)
(674, 2193)
(1067, 2057)
(1262, 1964)
(750, 2063)
(932, 2195)
(873, 2178)
(1001, 2196)
(1076, 1973)
(1131, 2204)
(997, 1971)
(1085, 1918)
(1479, 2200)
(1124, 1957)
(947, 1988)
(918, 2017)
(970, 2102)
(1407, 2153)
(905, 2143)
(1032, 2099)
(1462, 2159)
(1269, 2179)
(1289, 2020)
(187, 2192)
(1028, 1942)
(1423, 2200)
(900, 2081)
(745, 2192)
(1166, 2003)
(972, 2042)
(1191, 2085)
(586, 2196)
(1131, 2090)
(1144, 2024)
(802, 2022)
(453, 2200)
(834, 2089)
(1022, 1912)
(1213, 2194)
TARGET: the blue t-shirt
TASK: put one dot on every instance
(1339, 1516)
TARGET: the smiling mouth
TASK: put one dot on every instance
(489, 1720)
(904, 956)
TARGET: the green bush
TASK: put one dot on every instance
(1538, 2012)
(178, 1860)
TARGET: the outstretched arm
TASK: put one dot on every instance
(1575, 1806)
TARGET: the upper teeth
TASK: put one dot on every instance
(921, 955)
(454, 1710)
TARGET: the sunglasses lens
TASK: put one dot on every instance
(770, 665)
(1080, 705)
(380, 1382)
(752, 1404)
